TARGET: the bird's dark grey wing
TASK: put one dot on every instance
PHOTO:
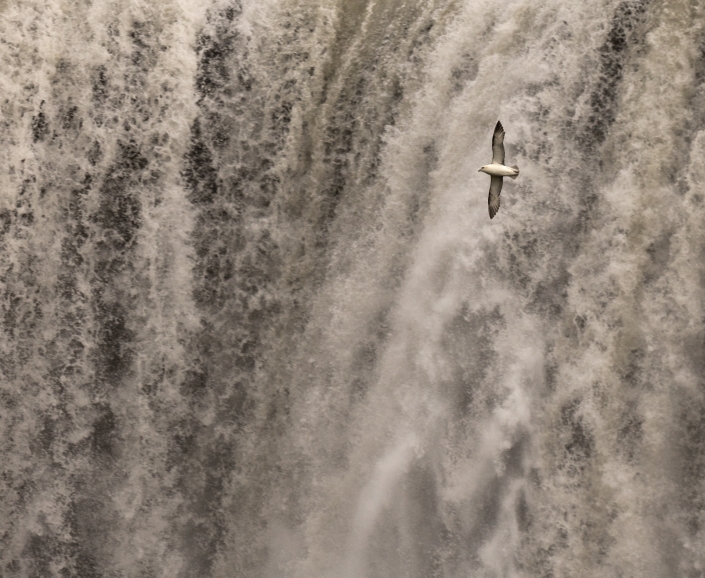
(498, 144)
(493, 200)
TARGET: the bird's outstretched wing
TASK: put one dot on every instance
(498, 144)
(493, 200)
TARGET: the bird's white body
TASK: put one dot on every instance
(497, 170)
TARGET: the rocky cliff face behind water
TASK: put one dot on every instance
(255, 320)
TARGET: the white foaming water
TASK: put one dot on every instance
(372, 501)
(256, 320)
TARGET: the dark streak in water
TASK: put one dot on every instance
(625, 33)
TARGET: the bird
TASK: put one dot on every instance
(497, 169)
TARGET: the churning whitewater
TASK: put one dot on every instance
(255, 322)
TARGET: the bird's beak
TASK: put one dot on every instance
(479, 170)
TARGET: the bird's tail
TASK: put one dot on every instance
(516, 168)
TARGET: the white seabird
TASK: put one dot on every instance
(497, 170)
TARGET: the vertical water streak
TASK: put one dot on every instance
(96, 283)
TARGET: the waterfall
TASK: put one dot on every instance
(255, 320)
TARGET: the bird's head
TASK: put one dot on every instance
(482, 169)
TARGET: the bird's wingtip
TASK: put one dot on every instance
(493, 206)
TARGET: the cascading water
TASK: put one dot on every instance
(256, 322)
